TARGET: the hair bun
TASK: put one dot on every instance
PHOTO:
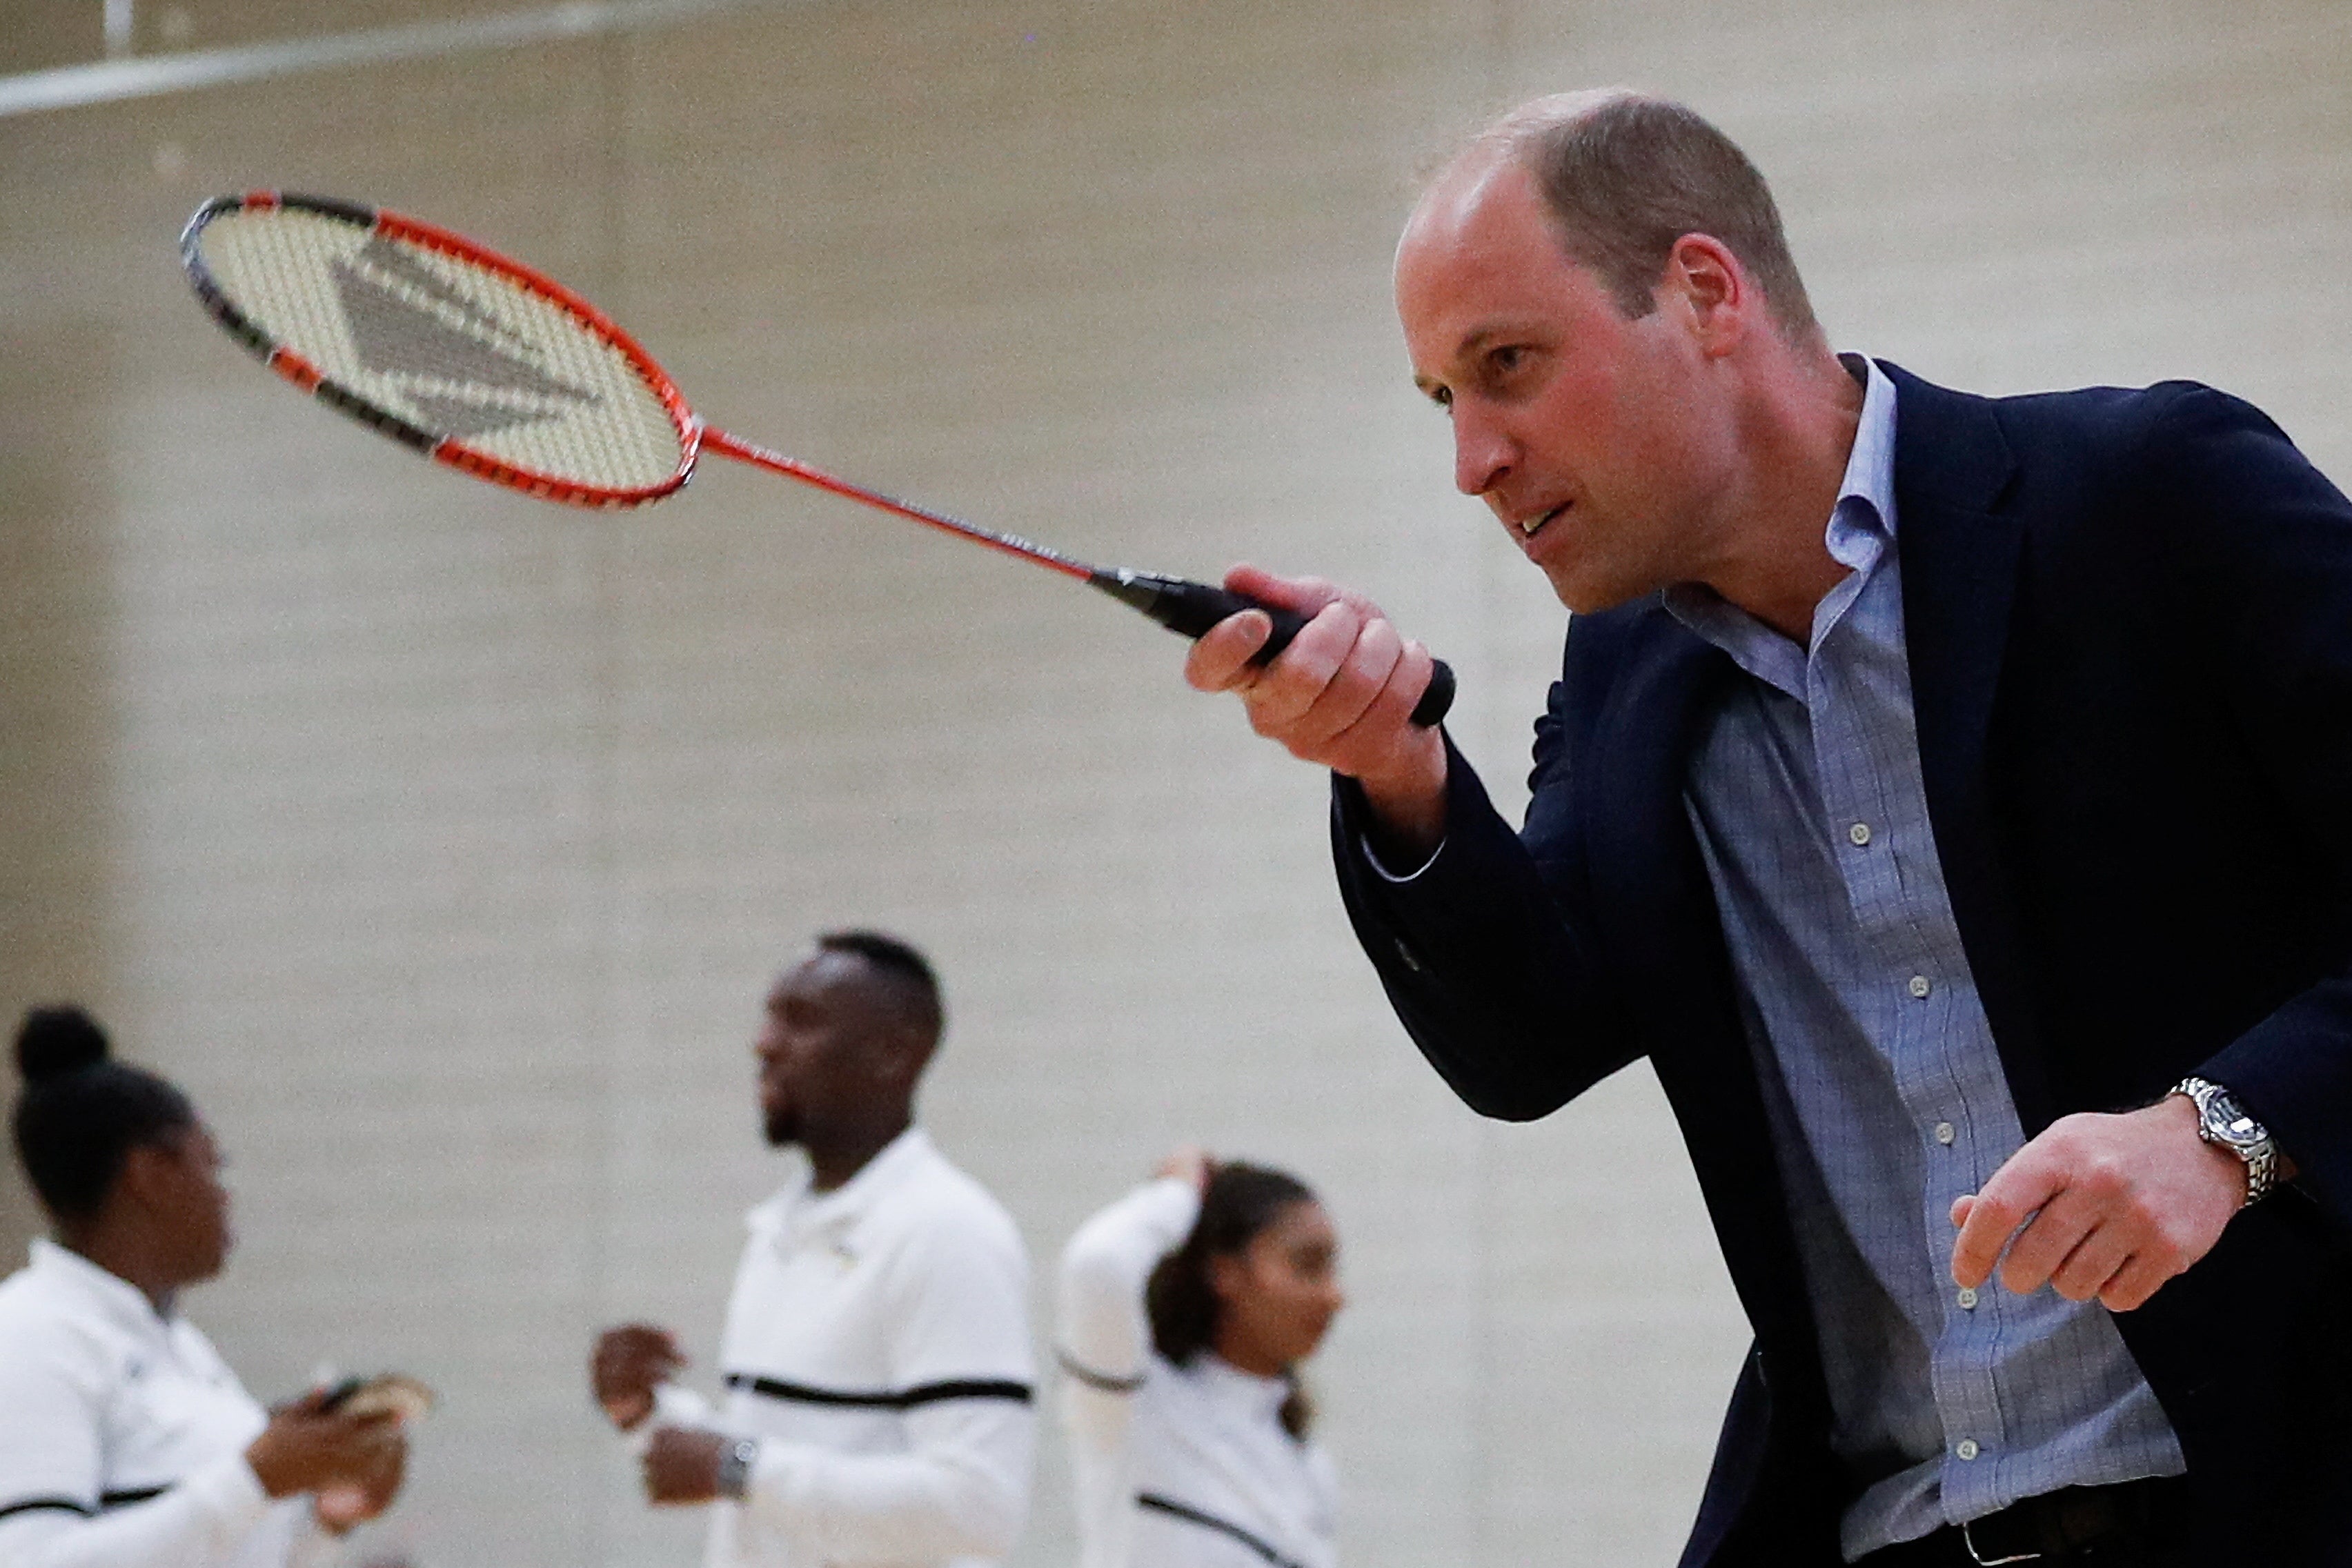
(53, 1041)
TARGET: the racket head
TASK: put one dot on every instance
(444, 345)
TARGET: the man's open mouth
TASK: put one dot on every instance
(1530, 526)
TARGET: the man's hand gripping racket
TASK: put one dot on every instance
(487, 366)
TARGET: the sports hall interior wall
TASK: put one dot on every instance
(443, 843)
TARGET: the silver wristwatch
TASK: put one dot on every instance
(735, 1461)
(2222, 1122)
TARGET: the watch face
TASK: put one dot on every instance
(2229, 1122)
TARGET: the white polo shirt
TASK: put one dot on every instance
(122, 1435)
(877, 1345)
(1176, 1467)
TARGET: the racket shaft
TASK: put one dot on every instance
(1180, 605)
(1191, 608)
(727, 445)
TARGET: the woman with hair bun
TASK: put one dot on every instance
(1185, 1309)
(124, 1438)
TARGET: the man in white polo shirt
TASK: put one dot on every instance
(877, 1355)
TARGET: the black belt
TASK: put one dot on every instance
(2077, 1525)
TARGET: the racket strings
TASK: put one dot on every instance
(457, 348)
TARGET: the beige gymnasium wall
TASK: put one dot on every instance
(442, 843)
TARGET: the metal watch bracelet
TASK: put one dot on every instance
(2223, 1122)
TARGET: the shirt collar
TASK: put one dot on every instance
(114, 1297)
(1261, 1396)
(799, 1210)
(1870, 469)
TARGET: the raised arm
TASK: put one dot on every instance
(1102, 1337)
(1469, 926)
(1340, 696)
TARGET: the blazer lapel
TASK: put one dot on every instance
(1961, 550)
(1645, 863)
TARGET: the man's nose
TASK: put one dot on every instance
(1483, 453)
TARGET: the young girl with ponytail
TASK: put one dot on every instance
(1185, 1309)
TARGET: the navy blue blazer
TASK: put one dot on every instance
(2130, 622)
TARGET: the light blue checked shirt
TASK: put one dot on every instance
(1882, 1085)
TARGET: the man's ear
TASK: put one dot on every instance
(899, 1061)
(1712, 290)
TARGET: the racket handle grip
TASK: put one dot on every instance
(1191, 608)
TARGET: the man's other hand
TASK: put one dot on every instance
(1342, 695)
(682, 1465)
(627, 1364)
(2112, 1206)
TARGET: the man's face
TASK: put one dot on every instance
(1599, 441)
(823, 1048)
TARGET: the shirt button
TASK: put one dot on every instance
(1944, 1132)
(1967, 1301)
(1919, 987)
(1966, 1449)
(1859, 834)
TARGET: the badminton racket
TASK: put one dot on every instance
(500, 372)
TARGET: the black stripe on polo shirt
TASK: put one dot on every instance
(887, 1399)
(1093, 1379)
(37, 1504)
(1224, 1527)
(70, 1505)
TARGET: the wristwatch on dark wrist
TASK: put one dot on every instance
(735, 1461)
(2222, 1122)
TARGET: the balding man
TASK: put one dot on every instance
(1949, 797)
(876, 1353)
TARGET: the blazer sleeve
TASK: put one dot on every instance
(2272, 540)
(1486, 952)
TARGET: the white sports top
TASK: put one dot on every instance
(878, 1347)
(123, 1435)
(1177, 1466)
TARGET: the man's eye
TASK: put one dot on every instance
(1442, 397)
(1506, 359)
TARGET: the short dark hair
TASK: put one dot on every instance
(82, 1112)
(1625, 175)
(916, 986)
(1238, 1203)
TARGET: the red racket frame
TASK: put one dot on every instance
(302, 373)
(693, 436)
